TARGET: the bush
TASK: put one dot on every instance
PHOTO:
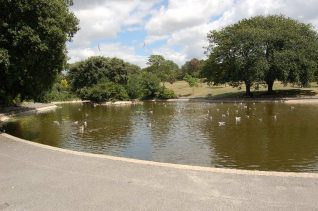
(165, 93)
(150, 84)
(56, 95)
(134, 86)
(106, 91)
(59, 92)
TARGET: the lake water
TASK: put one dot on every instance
(261, 136)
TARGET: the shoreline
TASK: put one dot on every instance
(162, 164)
(26, 109)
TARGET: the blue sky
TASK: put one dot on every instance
(134, 29)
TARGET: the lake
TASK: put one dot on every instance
(255, 136)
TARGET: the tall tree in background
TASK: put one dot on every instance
(192, 67)
(262, 50)
(166, 70)
(33, 36)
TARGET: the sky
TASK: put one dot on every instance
(177, 29)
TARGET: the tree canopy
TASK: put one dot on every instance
(102, 79)
(95, 69)
(261, 50)
(166, 70)
(192, 67)
(32, 45)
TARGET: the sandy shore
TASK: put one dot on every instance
(25, 109)
(302, 101)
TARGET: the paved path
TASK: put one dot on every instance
(38, 177)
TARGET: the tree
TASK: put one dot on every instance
(32, 45)
(192, 81)
(95, 69)
(104, 91)
(262, 50)
(192, 67)
(290, 49)
(166, 70)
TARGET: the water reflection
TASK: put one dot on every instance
(263, 136)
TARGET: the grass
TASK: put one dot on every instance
(182, 89)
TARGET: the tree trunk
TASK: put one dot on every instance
(248, 89)
(270, 85)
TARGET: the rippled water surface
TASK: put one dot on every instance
(262, 136)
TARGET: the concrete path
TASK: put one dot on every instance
(38, 177)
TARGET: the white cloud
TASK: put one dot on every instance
(170, 54)
(182, 14)
(181, 25)
(186, 23)
(108, 50)
(104, 19)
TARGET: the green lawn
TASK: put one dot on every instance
(182, 89)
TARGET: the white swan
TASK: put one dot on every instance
(237, 119)
(221, 123)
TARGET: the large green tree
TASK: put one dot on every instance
(33, 36)
(96, 69)
(192, 67)
(262, 49)
(166, 70)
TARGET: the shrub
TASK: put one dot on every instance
(106, 91)
(165, 93)
(150, 84)
(134, 86)
(59, 92)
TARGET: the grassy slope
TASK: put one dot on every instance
(182, 89)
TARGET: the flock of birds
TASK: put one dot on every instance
(237, 118)
(208, 116)
(81, 127)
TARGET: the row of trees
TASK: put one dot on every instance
(262, 50)
(102, 79)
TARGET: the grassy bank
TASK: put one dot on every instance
(182, 89)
